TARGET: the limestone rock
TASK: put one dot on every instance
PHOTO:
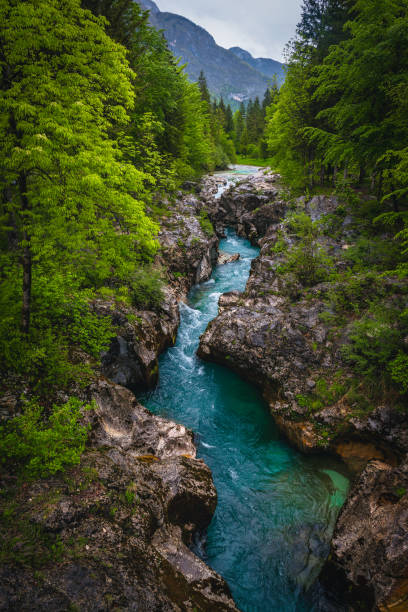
(114, 532)
(224, 258)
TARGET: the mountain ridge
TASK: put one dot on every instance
(228, 75)
(264, 65)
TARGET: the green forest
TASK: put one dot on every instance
(246, 128)
(98, 120)
(339, 125)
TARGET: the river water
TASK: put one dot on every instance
(276, 507)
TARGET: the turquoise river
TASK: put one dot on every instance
(276, 507)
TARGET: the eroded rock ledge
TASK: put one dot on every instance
(368, 562)
(273, 335)
(120, 523)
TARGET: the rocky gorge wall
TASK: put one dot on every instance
(187, 256)
(273, 334)
(114, 533)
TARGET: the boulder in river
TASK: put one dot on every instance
(224, 258)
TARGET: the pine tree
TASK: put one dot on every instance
(125, 18)
(229, 120)
(239, 126)
(267, 101)
(322, 25)
(244, 142)
(202, 84)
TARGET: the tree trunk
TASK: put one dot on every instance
(394, 200)
(345, 175)
(380, 184)
(310, 170)
(26, 262)
(322, 174)
(25, 323)
(334, 175)
(373, 180)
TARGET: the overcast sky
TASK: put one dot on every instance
(262, 27)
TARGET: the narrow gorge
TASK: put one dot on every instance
(276, 508)
(204, 306)
(140, 524)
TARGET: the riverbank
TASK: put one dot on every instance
(254, 161)
(282, 334)
(115, 530)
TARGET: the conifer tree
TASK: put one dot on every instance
(244, 141)
(267, 101)
(202, 84)
(239, 126)
(229, 120)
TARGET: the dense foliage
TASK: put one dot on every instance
(246, 127)
(339, 125)
(96, 119)
(37, 448)
(343, 105)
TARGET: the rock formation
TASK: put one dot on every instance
(114, 532)
(275, 336)
(369, 558)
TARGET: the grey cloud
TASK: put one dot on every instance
(262, 27)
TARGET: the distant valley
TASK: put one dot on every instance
(231, 73)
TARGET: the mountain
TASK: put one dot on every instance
(228, 74)
(264, 65)
(148, 5)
